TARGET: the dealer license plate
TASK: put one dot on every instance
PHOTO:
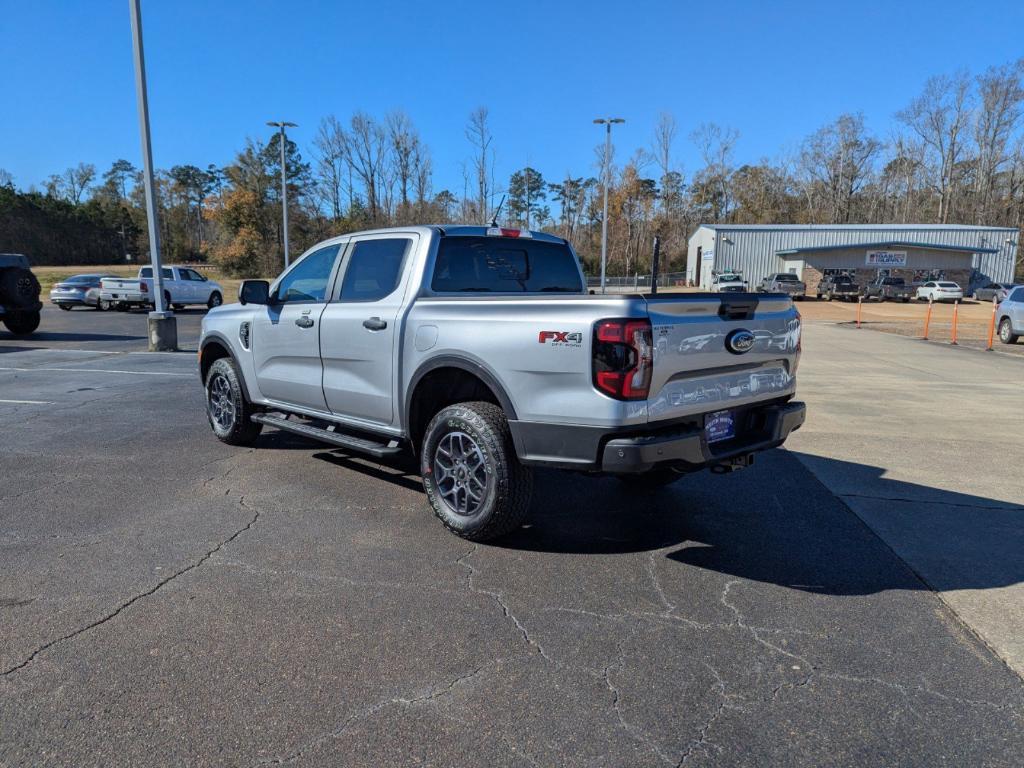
(720, 425)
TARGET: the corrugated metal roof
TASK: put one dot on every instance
(887, 244)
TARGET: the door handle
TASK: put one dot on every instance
(375, 324)
(304, 322)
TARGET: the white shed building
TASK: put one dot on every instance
(966, 254)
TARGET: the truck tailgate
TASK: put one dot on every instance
(695, 370)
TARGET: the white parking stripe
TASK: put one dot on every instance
(27, 402)
(98, 370)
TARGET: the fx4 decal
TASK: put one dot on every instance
(561, 338)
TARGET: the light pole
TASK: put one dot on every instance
(163, 328)
(284, 185)
(607, 122)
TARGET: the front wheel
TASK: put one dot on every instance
(473, 479)
(215, 300)
(65, 307)
(227, 408)
(21, 323)
(1006, 334)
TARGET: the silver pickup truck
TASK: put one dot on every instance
(480, 350)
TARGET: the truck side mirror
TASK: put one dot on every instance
(254, 292)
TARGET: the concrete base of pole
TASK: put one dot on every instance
(163, 332)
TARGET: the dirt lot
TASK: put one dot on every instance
(908, 320)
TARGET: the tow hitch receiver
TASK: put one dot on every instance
(733, 464)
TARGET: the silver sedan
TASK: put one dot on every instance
(79, 291)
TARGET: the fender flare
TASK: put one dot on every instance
(466, 363)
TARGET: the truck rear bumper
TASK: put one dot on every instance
(683, 445)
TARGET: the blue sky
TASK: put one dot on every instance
(219, 69)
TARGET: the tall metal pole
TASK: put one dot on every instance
(284, 199)
(147, 156)
(604, 216)
(607, 122)
(282, 124)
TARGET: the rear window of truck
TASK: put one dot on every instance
(504, 265)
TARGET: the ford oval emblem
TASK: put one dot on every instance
(739, 341)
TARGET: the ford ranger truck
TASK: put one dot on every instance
(480, 350)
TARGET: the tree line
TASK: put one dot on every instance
(954, 154)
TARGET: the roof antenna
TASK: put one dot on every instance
(494, 218)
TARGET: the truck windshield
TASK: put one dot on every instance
(504, 265)
(893, 281)
(786, 278)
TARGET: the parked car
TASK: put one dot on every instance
(883, 288)
(181, 285)
(940, 290)
(998, 291)
(838, 287)
(79, 291)
(784, 282)
(1011, 316)
(728, 282)
(375, 343)
(19, 295)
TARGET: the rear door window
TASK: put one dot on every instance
(165, 273)
(504, 265)
(374, 268)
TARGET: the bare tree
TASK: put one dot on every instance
(404, 143)
(6, 178)
(940, 116)
(365, 148)
(330, 154)
(716, 145)
(839, 159)
(1000, 94)
(479, 134)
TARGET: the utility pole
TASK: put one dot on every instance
(607, 122)
(284, 186)
(163, 327)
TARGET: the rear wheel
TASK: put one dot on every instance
(1006, 334)
(227, 408)
(21, 323)
(177, 307)
(215, 300)
(65, 307)
(473, 479)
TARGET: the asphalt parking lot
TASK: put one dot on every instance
(168, 600)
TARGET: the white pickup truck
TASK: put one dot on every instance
(182, 286)
(480, 350)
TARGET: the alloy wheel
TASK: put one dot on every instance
(460, 473)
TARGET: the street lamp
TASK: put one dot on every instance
(607, 122)
(163, 328)
(284, 185)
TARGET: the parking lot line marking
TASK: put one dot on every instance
(97, 370)
(27, 402)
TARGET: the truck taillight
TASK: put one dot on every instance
(623, 358)
(143, 287)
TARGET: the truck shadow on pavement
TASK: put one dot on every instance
(774, 523)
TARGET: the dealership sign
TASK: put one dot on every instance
(886, 259)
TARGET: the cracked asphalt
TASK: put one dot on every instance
(169, 600)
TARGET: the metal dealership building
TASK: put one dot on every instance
(968, 255)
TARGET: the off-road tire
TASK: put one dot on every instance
(509, 485)
(1006, 334)
(18, 287)
(21, 323)
(215, 300)
(241, 430)
(652, 479)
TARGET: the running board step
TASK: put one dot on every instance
(379, 450)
